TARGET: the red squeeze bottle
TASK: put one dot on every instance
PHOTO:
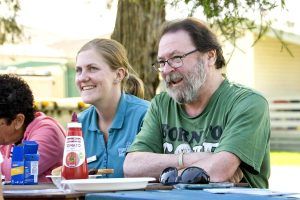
(74, 159)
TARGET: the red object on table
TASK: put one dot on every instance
(74, 159)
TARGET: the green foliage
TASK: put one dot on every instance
(233, 17)
(10, 31)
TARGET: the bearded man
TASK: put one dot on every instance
(202, 120)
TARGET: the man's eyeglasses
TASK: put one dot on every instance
(190, 175)
(174, 62)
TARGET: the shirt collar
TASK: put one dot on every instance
(118, 119)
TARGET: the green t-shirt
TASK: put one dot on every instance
(236, 120)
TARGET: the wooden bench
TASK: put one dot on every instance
(285, 124)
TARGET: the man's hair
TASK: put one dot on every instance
(203, 38)
(115, 55)
(15, 98)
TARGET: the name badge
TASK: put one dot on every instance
(91, 159)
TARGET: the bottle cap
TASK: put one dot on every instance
(74, 122)
(74, 117)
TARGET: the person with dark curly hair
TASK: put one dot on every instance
(20, 121)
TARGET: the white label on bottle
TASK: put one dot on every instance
(74, 152)
(34, 170)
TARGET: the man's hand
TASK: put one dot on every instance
(237, 176)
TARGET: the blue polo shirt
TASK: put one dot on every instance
(125, 126)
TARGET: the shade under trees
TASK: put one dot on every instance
(138, 22)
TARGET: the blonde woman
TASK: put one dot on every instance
(115, 117)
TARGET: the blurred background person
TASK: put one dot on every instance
(115, 117)
(20, 121)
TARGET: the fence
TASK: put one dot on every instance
(285, 124)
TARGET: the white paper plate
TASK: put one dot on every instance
(56, 180)
(90, 176)
(107, 184)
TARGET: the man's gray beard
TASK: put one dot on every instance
(193, 81)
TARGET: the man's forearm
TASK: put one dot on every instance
(220, 166)
(141, 164)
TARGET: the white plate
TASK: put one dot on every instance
(56, 180)
(90, 176)
(107, 184)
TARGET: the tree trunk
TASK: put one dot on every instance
(137, 28)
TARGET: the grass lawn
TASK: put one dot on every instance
(285, 158)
